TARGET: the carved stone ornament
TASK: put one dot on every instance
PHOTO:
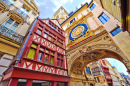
(100, 47)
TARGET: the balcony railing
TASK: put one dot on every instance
(21, 12)
(8, 2)
(11, 34)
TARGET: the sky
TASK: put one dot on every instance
(49, 7)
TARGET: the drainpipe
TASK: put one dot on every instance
(30, 31)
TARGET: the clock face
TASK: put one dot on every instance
(77, 31)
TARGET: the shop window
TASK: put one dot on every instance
(45, 35)
(103, 18)
(34, 45)
(61, 84)
(51, 60)
(116, 31)
(39, 32)
(39, 56)
(92, 6)
(11, 24)
(46, 58)
(31, 53)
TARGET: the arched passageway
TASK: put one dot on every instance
(98, 47)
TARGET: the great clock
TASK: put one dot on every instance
(77, 31)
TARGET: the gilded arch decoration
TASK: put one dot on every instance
(98, 47)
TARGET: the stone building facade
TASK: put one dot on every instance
(93, 33)
(16, 17)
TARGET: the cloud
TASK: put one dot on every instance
(40, 2)
(59, 3)
(110, 60)
(88, 1)
(71, 1)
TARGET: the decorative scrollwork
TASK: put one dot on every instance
(76, 68)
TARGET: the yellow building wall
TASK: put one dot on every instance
(109, 6)
(122, 39)
(8, 49)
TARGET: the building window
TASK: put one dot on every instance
(11, 24)
(72, 20)
(22, 11)
(103, 18)
(58, 62)
(34, 45)
(39, 32)
(57, 43)
(31, 53)
(39, 56)
(98, 79)
(88, 70)
(40, 27)
(54, 27)
(41, 49)
(116, 31)
(61, 56)
(61, 63)
(46, 58)
(95, 79)
(51, 60)
(92, 6)
(49, 38)
(53, 40)
(8, 2)
(47, 51)
(52, 53)
(103, 62)
(44, 35)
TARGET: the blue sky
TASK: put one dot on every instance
(49, 7)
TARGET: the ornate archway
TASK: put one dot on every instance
(97, 47)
